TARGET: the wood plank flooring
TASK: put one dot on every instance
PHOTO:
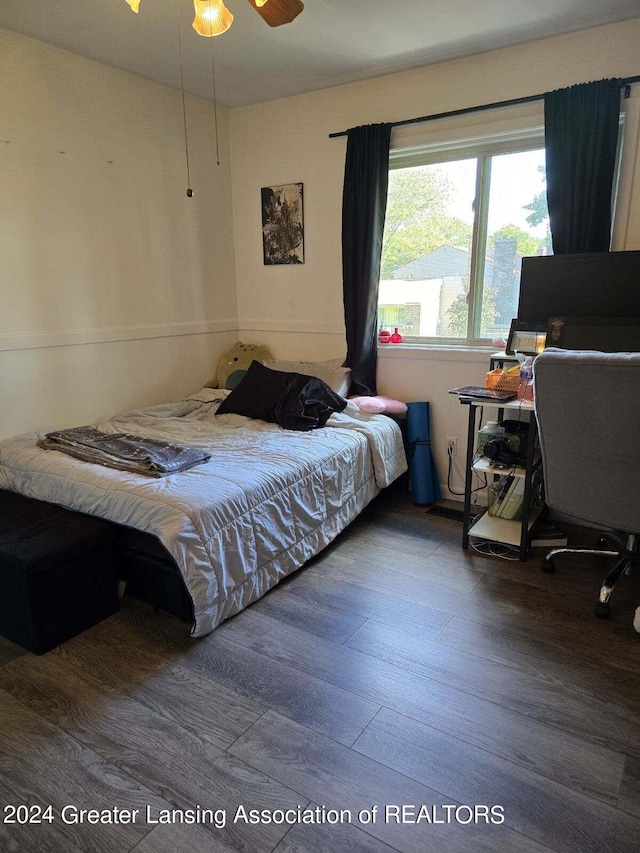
(395, 669)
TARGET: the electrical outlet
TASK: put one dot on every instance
(452, 445)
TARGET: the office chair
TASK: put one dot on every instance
(588, 411)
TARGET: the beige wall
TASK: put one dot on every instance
(115, 288)
(118, 291)
(298, 309)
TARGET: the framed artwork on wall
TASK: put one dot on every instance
(282, 224)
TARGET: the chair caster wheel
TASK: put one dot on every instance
(603, 610)
(547, 565)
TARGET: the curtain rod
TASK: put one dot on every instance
(625, 83)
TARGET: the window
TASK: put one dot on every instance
(460, 218)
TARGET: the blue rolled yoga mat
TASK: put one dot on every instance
(425, 483)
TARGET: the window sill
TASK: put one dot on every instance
(437, 352)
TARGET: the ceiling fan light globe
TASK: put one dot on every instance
(212, 17)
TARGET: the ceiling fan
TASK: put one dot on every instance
(213, 18)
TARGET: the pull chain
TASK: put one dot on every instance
(215, 103)
(184, 106)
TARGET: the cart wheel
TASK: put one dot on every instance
(603, 610)
(547, 565)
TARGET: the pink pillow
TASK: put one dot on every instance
(379, 405)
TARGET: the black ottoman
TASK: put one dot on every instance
(57, 575)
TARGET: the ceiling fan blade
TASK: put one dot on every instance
(278, 12)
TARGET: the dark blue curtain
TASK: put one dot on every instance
(581, 137)
(364, 203)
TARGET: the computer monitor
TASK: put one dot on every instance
(605, 284)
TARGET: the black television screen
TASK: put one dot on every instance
(605, 284)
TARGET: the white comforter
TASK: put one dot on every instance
(268, 500)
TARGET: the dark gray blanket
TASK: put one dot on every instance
(124, 452)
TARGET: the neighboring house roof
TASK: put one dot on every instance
(446, 261)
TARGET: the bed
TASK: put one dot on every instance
(267, 501)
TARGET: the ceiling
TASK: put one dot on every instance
(330, 43)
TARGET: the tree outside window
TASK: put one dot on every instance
(455, 235)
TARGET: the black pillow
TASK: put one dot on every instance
(291, 400)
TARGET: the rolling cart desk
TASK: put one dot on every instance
(493, 528)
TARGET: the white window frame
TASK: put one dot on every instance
(481, 148)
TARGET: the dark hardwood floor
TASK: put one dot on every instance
(395, 669)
